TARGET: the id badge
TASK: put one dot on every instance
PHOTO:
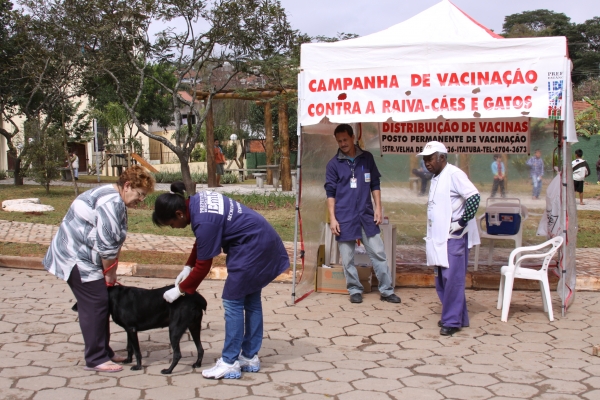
(367, 177)
(353, 183)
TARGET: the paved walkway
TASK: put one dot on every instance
(324, 347)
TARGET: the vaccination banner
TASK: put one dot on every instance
(461, 136)
(450, 92)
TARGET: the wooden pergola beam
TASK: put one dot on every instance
(252, 95)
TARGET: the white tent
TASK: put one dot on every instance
(438, 64)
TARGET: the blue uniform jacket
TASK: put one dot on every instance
(353, 207)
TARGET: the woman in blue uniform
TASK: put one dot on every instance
(255, 256)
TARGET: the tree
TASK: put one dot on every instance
(583, 39)
(587, 122)
(236, 34)
(45, 154)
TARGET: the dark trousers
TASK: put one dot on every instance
(498, 184)
(425, 177)
(450, 284)
(92, 306)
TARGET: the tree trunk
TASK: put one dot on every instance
(284, 144)
(269, 141)
(210, 145)
(190, 185)
(18, 179)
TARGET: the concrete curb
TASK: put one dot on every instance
(408, 276)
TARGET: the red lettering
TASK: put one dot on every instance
(335, 84)
(311, 85)
(347, 83)
(442, 79)
(386, 106)
(321, 87)
(394, 82)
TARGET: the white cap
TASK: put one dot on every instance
(433, 147)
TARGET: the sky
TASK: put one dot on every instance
(363, 17)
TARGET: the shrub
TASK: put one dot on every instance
(3, 174)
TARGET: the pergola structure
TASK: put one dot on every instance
(261, 97)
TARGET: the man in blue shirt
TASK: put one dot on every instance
(499, 172)
(351, 178)
(536, 165)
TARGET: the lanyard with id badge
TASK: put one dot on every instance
(354, 180)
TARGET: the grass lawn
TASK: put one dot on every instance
(277, 209)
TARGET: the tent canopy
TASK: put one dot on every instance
(441, 53)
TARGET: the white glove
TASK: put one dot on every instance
(182, 275)
(172, 294)
(455, 226)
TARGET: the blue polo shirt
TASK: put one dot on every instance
(255, 252)
(353, 207)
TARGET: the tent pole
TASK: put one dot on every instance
(297, 189)
(563, 271)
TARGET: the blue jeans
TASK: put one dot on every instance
(537, 186)
(243, 327)
(376, 252)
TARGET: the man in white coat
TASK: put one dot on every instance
(451, 232)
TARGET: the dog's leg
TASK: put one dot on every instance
(129, 351)
(195, 331)
(176, 331)
(132, 339)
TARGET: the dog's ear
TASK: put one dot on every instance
(74, 308)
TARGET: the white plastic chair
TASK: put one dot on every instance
(518, 237)
(514, 270)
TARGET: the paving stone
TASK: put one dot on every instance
(593, 395)
(341, 375)
(378, 385)
(465, 392)
(391, 338)
(49, 338)
(444, 370)
(472, 379)
(15, 394)
(306, 396)
(363, 330)
(514, 390)
(416, 393)
(12, 337)
(560, 386)
(7, 326)
(311, 366)
(174, 393)
(34, 328)
(519, 377)
(223, 391)
(20, 318)
(62, 393)
(120, 393)
(293, 376)
(327, 388)
(566, 374)
(22, 372)
(350, 341)
(20, 347)
(274, 389)
(593, 382)
(361, 395)
(93, 381)
(192, 381)
(425, 382)
(325, 331)
(143, 381)
(388, 372)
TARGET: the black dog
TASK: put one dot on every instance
(135, 309)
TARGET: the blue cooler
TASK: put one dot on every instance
(503, 219)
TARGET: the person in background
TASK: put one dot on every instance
(499, 174)
(84, 252)
(598, 170)
(536, 171)
(255, 256)
(581, 169)
(219, 162)
(351, 179)
(74, 161)
(424, 175)
(451, 232)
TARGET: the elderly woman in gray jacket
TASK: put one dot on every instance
(84, 253)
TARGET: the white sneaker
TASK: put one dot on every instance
(249, 364)
(223, 370)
